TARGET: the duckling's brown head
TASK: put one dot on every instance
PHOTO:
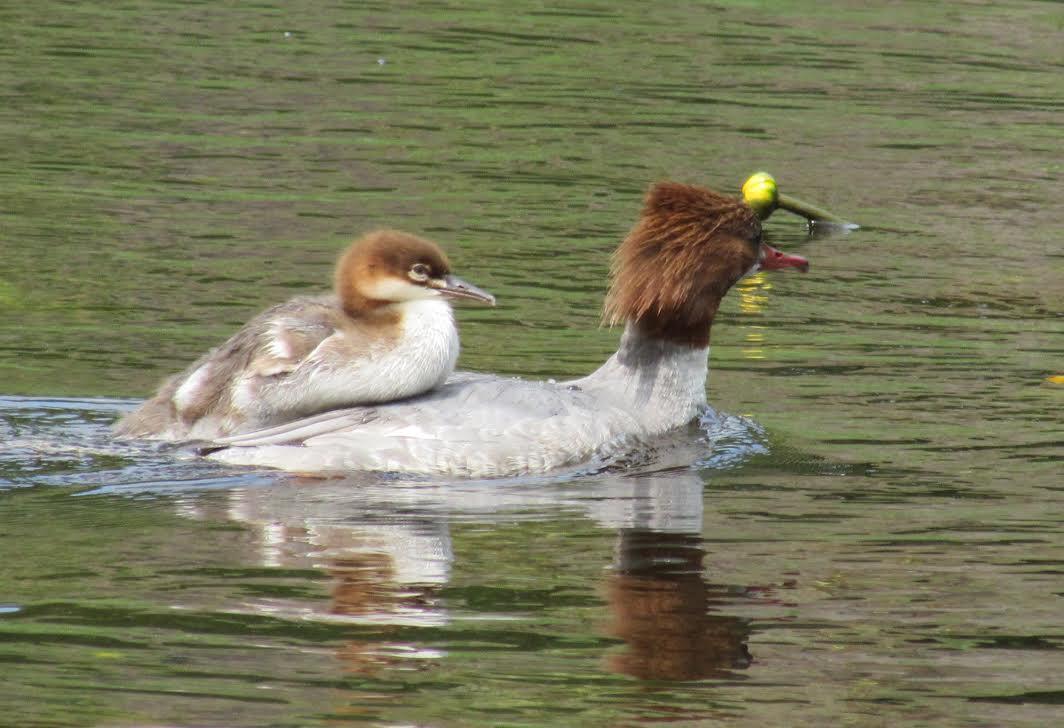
(688, 248)
(389, 266)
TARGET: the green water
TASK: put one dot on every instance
(884, 547)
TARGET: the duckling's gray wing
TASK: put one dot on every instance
(224, 389)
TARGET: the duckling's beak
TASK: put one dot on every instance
(454, 287)
(771, 259)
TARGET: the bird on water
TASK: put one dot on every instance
(689, 246)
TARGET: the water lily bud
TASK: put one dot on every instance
(760, 193)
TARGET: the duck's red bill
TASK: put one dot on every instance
(772, 259)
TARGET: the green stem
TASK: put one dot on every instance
(810, 212)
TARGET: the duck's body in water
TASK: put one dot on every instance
(669, 275)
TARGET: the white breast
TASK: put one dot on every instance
(426, 351)
(341, 372)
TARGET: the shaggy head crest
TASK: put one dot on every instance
(688, 248)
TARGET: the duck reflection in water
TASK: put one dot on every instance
(660, 604)
(388, 555)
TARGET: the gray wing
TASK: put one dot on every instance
(465, 401)
(474, 424)
(267, 348)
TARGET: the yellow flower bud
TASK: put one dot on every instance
(760, 193)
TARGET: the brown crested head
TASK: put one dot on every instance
(389, 266)
(688, 248)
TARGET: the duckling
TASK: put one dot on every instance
(387, 333)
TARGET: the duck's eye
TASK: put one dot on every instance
(419, 272)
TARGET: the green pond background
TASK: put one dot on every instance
(870, 533)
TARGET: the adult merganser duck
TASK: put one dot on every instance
(387, 333)
(668, 278)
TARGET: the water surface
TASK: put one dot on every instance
(870, 533)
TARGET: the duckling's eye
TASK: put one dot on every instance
(419, 272)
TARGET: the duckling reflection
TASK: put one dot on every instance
(381, 572)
